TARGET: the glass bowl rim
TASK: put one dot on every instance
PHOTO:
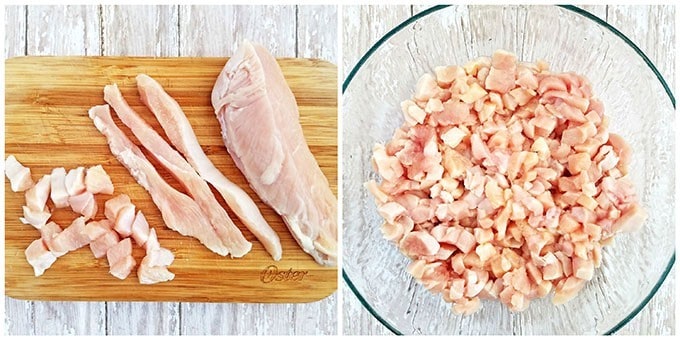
(571, 8)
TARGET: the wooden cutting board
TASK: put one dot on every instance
(46, 126)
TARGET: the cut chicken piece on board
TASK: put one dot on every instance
(39, 257)
(83, 204)
(119, 251)
(58, 193)
(124, 220)
(197, 188)
(72, 238)
(140, 229)
(48, 233)
(123, 268)
(261, 129)
(35, 218)
(113, 206)
(19, 176)
(153, 268)
(75, 181)
(179, 212)
(97, 181)
(101, 245)
(182, 136)
(36, 196)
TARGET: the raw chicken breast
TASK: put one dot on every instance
(48, 233)
(71, 238)
(153, 268)
(39, 257)
(101, 245)
(113, 206)
(179, 212)
(182, 136)
(97, 181)
(83, 204)
(260, 127)
(140, 229)
(75, 181)
(58, 192)
(36, 197)
(35, 218)
(225, 228)
(19, 176)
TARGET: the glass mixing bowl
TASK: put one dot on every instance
(637, 100)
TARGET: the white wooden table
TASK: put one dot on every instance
(168, 31)
(652, 28)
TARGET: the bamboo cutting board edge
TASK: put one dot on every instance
(307, 105)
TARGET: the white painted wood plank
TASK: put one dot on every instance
(143, 318)
(363, 26)
(15, 31)
(140, 31)
(18, 313)
(317, 36)
(63, 30)
(218, 30)
(652, 28)
(69, 318)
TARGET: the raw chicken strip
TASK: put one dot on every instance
(75, 181)
(36, 197)
(261, 129)
(58, 192)
(97, 181)
(39, 256)
(179, 212)
(19, 176)
(182, 136)
(229, 234)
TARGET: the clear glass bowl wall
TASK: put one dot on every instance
(640, 108)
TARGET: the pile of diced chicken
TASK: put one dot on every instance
(108, 237)
(504, 183)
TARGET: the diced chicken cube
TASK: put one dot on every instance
(19, 176)
(39, 257)
(97, 181)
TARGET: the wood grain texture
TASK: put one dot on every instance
(208, 31)
(363, 26)
(650, 27)
(310, 318)
(63, 30)
(47, 125)
(311, 39)
(140, 31)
